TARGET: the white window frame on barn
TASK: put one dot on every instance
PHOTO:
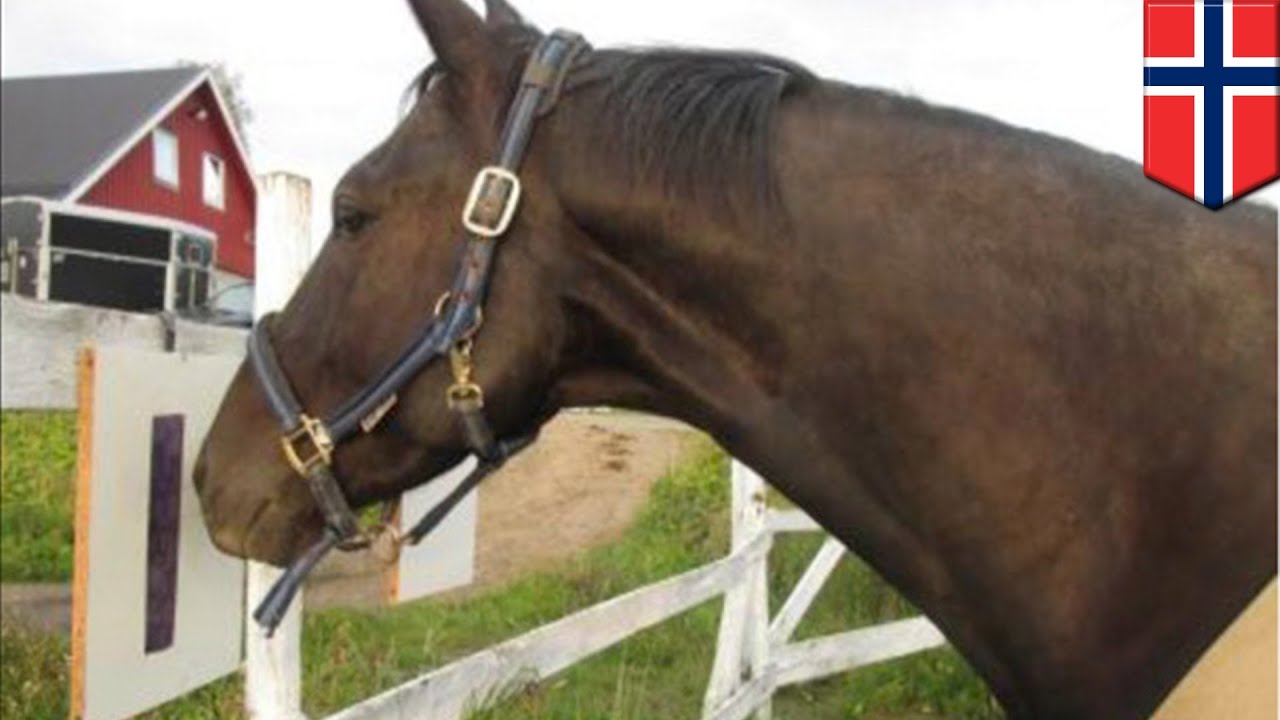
(164, 154)
(213, 181)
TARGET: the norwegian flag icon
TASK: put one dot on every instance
(1212, 68)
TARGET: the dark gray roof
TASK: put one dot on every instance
(58, 128)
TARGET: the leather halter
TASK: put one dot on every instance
(308, 442)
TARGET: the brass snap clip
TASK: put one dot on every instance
(464, 393)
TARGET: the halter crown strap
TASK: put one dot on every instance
(308, 442)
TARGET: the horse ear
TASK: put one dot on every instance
(455, 31)
(498, 13)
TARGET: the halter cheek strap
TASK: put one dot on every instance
(308, 442)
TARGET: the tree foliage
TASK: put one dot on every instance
(230, 86)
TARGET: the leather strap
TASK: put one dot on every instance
(276, 603)
(332, 501)
(271, 379)
(504, 451)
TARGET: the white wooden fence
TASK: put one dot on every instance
(754, 655)
(754, 652)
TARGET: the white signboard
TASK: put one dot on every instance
(156, 609)
(445, 559)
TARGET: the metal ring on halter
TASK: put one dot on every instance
(387, 537)
(443, 302)
(369, 534)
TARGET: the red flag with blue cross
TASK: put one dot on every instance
(1212, 68)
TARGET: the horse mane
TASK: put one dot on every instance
(698, 123)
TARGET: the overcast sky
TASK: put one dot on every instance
(324, 78)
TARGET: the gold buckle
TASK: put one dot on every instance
(493, 184)
(302, 459)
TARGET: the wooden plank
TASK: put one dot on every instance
(756, 650)
(80, 569)
(130, 388)
(273, 666)
(832, 654)
(748, 698)
(815, 659)
(110, 592)
(446, 558)
(510, 666)
(789, 521)
(742, 644)
(41, 340)
(203, 339)
(806, 590)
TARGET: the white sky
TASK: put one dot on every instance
(324, 78)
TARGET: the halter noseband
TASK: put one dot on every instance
(308, 442)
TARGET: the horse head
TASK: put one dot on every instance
(385, 266)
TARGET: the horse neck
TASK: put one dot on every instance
(749, 328)
(845, 362)
(674, 307)
(745, 332)
(741, 320)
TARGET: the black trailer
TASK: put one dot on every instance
(106, 258)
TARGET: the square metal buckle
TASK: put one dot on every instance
(492, 185)
(302, 458)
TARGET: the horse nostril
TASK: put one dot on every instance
(229, 541)
(201, 469)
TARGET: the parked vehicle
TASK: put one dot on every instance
(231, 306)
(73, 253)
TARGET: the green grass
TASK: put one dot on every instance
(37, 482)
(33, 673)
(660, 673)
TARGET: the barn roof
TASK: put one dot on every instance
(59, 131)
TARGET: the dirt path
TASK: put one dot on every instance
(579, 487)
(40, 606)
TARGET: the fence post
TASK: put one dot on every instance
(742, 648)
(282, 251)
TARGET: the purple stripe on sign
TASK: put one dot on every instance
(162, 530)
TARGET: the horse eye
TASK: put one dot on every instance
(350, 221)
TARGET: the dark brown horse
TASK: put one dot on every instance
(1033, 389)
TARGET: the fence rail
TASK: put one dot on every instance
(508, 667)
(41, 339)
(754, 656)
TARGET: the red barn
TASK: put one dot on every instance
(158, 142)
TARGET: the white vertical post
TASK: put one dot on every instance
(742, 646)
(282, 251)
